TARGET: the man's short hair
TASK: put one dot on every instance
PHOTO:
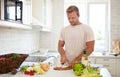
(73, 8)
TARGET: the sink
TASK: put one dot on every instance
(35, 59)
(30, 60)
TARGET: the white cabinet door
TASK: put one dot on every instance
(27, 12)
(37, 10)
(47, 14)
(118, 67)
(109, 63)
(42, 13)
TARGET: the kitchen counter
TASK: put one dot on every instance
(104, 55)
(55, 73)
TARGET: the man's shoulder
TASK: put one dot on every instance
(86, 26)
(66, 27)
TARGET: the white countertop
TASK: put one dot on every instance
(55, 73)
(106, 55)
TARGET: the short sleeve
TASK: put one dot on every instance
(89, 34)
(61, 35)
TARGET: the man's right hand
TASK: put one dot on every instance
(63, 59)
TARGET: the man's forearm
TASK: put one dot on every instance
(90, 47)
(60, 48)
(79, 57)
(89, 50)
(61, 51)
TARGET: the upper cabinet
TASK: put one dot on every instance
(42, 14)
(27, 11)
(16, 12)
(19, 11)
(34, 13)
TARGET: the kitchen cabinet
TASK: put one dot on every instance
(107, 62)
(27, 12)
(42, 14)
(118, 67)
(16, 11)
(23, 14)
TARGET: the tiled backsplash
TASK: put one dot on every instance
(115, 19)
(18, 40)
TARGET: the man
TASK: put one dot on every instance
(75, 38)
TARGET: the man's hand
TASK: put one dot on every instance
(72, 63)
(63, 59)
(76, 60)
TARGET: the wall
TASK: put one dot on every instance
(50, 39)
(115, 20)
(28, 41)
(22, 41)
(16, 40)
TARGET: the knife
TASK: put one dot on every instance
(65, 65)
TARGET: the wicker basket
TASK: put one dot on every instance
(11, 61)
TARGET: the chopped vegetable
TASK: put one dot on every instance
(78, 68)
(24, 68)
(91, 72)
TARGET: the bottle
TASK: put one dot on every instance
(85, 58)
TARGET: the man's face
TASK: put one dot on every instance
(73, 18)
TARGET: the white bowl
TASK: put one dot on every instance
(43, 50)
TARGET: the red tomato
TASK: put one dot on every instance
(32, 72)
(26, 72)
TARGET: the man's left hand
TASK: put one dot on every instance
(72, 63)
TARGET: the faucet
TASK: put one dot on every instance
(55, 60)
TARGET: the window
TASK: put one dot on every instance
(98, 20)
(96, 15)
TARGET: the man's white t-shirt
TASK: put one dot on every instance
(75, 38)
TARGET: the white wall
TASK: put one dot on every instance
(16, 40)
(50, 40)
(115, 20)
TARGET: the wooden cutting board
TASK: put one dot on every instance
(62, 68)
